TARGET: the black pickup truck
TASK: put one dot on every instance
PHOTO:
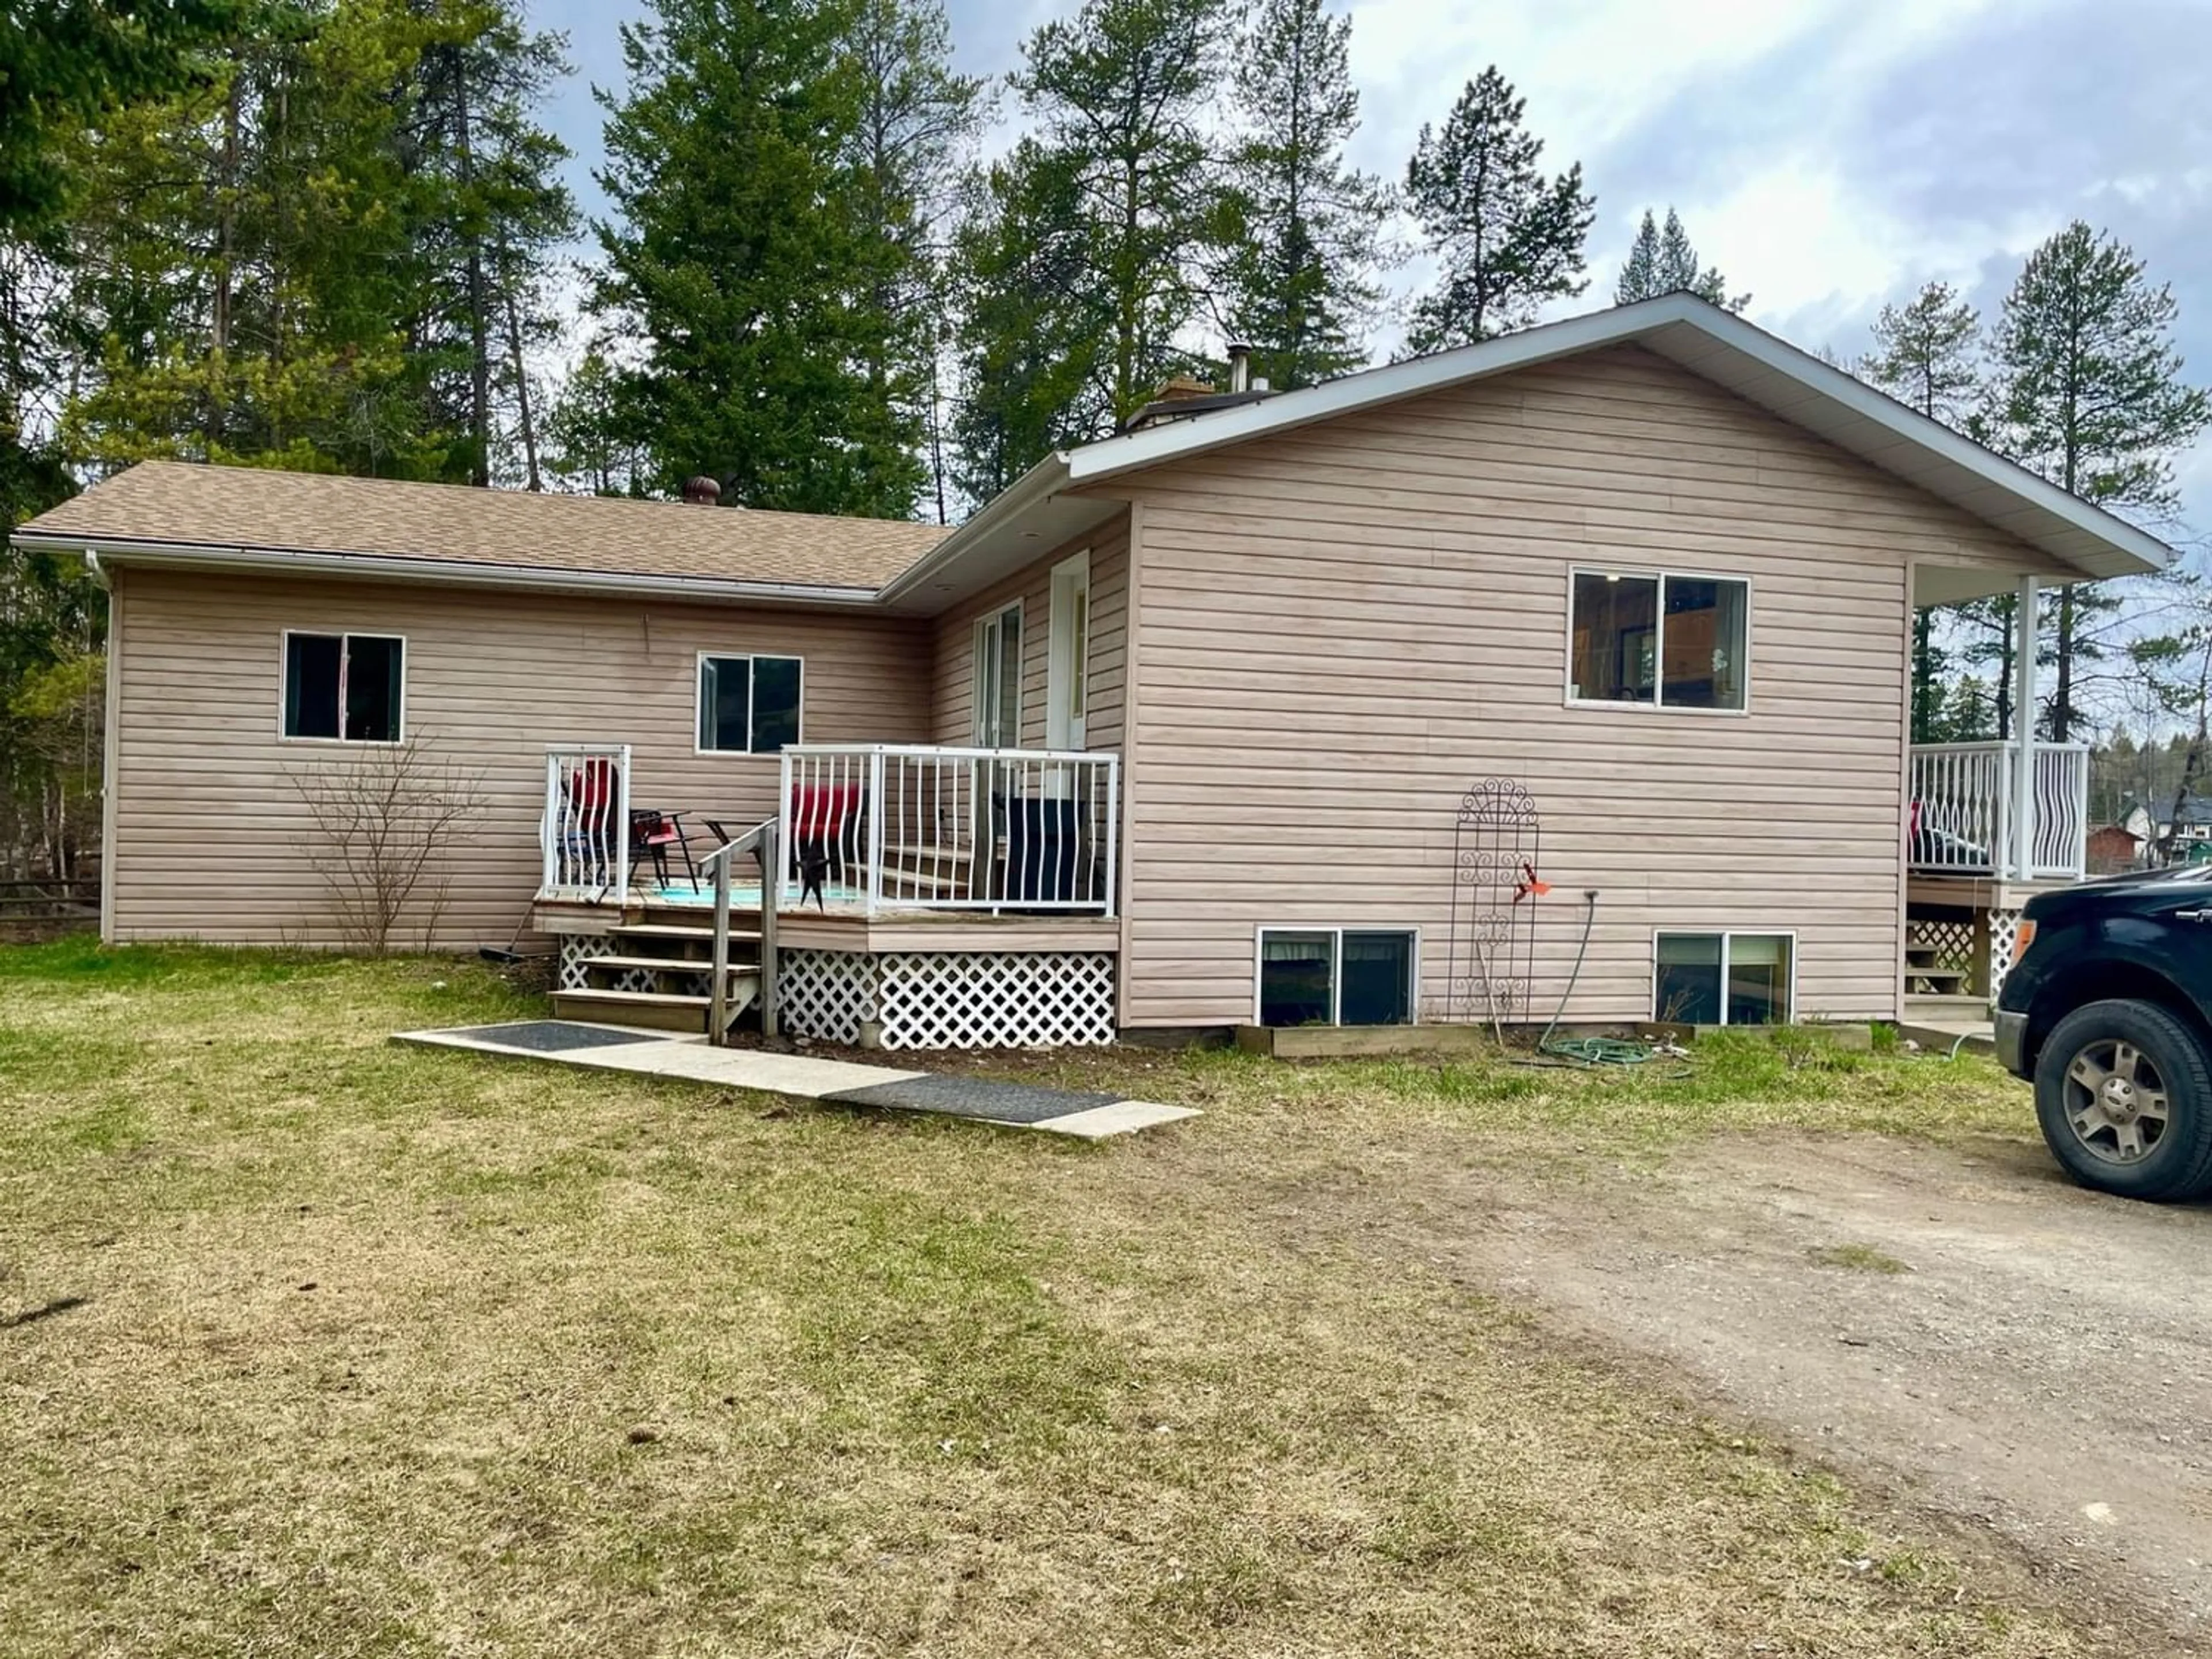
(2108, 1011)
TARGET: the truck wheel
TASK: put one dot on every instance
(2123, 1092)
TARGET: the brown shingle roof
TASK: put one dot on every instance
(176, 502)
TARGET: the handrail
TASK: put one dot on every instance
(761, 837)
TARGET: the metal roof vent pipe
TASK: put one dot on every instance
(1240, 367)
(702, 492)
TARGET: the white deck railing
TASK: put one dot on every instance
(1965, 800)
(897, 827)
(584, 831)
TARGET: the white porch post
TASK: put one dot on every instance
(2023, 731)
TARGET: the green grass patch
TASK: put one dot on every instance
(349, 1347)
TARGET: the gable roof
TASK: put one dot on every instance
(323, 521)
(1700, 336)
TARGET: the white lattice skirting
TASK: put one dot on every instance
(576, 950)
(2004, 928)
(950, 999)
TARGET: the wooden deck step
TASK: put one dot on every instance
(678, 933)
(666, 964)
(660, 1011)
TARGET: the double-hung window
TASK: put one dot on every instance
(748, 705)
(1665, 641)
(1723, 979)
(345, 687)
(999, 679)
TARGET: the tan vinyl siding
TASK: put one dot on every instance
(1343, 628)
(954, 718)
(210, 826)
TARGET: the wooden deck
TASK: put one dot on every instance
(842, 928)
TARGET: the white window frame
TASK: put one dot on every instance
(699, 699)
(1336, 973)
(1658, 705)
(995, 617)
(1727, 936)
(344, 635)
(1067, 654)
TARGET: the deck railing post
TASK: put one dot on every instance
(718, 997)
(877, 806)
(772, 858)
(1112, 823)
(618, 831)
(772, 869)
(2023, 734)
(552, 834)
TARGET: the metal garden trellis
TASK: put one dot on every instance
(1495, 849)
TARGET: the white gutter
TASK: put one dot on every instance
(448, 572)
(1034, 488)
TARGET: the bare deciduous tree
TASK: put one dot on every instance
(380, 830)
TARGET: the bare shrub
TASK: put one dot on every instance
(381, 828)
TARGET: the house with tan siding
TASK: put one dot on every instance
(1565, 671)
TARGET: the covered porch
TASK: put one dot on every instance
(1988, 823)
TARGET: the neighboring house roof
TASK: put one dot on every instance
(182, 509)
(1710, 341)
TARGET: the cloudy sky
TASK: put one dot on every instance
(1826, 154)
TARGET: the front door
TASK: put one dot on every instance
(1067, 689)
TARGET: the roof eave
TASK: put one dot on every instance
(1002, 511)
(448, 573)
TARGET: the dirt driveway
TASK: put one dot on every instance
(1963, 1326)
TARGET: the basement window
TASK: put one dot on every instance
(1336, 977)
(748, 705)
(1724, 979)
(345, 687)
(1665, 642)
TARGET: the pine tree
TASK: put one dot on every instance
(919, 124)
(1033, 321)
(1663, 261)
(1927, 355)
(488, 210)
(744, 258)
(1119, 95)
(1301, 282)
(1507, 237)
(589, 448)
(2087, 391)
(247, 259)
(1640, 272)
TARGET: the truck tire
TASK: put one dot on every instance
(2123, 1092)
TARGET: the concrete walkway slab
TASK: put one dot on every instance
(1087, 1116)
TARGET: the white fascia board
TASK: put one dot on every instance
(449, 573)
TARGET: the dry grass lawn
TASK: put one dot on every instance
(310, 1344)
